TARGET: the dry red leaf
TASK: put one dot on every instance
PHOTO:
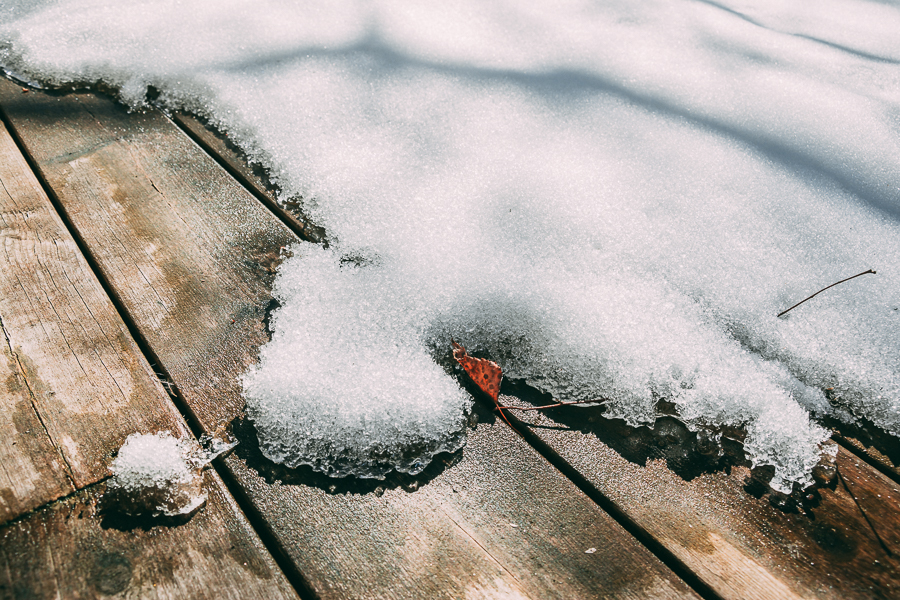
(485, 373)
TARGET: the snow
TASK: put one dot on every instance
(155, 474)
(609, 199)
(345, 386)
(159, 474)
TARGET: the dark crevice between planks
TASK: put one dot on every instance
(864, 515)
(24, 373)
(74, 493)
(256, 521)
(891, 472)
(260, 526)
(870, 444)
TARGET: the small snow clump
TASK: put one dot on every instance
(158, 475)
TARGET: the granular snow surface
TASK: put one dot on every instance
(157, 474)
(609, 199)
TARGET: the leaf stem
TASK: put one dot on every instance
(552, 405)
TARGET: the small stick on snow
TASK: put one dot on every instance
(825, 288)
(553, 405)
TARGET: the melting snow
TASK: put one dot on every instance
(159, 474)
(609, 199)
(154, 474)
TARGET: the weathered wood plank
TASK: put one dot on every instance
(75, 383)
(218, 146)
(71, 549)
(737, 542)
(498, 523)
(186, 250)
(32, 471)
(117, 183)
(883, 452)
(76, 386)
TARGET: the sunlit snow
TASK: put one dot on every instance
(156, 474)
(610, 199)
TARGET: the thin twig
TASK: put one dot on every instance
(552, 405)
(865, 516)
(825, 288)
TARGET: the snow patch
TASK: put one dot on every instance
(608, 199)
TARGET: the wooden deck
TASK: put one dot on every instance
(138, 258)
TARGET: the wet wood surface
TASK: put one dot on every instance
(73, 549)
(190, 256)
(721, 524)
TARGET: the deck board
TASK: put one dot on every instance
(191, 255)
(70, 549)
(218, 146)
(495, 523)
(739, 544)
(76, 384)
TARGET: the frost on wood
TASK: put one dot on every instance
(160, 475)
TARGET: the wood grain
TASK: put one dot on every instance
(184, 247)
(494, 523)
(726, 532)
(119, 176)
(75, 384)
(73, 549)
(232, 160)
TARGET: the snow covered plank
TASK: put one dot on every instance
(72, 549)
(75, 383)
(190, 254)
(734, 540)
